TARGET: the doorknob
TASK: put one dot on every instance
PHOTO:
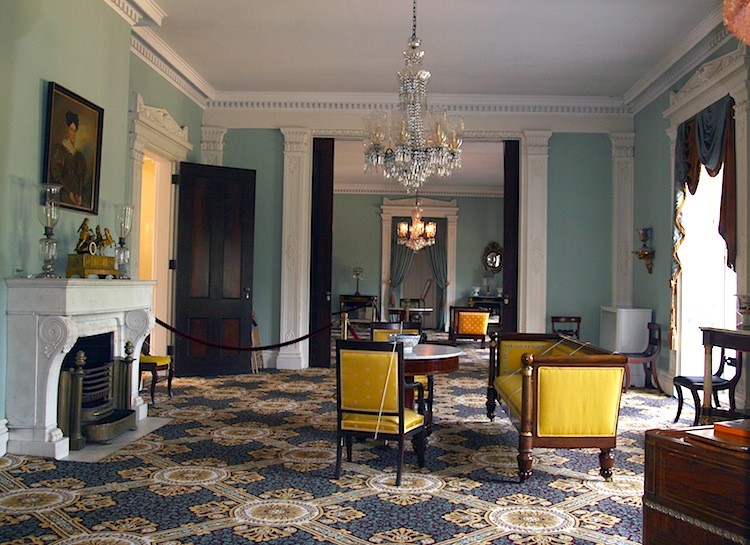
(506, 300)
(247, 293)
(328, 296)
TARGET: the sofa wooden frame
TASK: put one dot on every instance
(561, 353)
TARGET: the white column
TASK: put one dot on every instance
(212, 145)
(622, 217)
(532, 233)
(295, 248)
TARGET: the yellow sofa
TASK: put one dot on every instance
(558, 391)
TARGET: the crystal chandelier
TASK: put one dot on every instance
(413, 142)
(419, 234)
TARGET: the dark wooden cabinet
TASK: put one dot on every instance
(696, 490)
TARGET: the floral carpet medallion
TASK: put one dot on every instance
(250, 459)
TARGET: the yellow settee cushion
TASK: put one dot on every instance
(578, 401)
(509, 387)
(473, 323)
(365, 374)
(381, 335)
(388, 424)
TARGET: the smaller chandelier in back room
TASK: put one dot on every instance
(419, 234)
(413, 142)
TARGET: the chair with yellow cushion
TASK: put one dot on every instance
(469, 323)
(160, 368)
(559, 392)
(379, 332)
(370, 400)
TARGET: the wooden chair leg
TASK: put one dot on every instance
(154, 376)
(339, 448)
(680, 400)
(697, 401)
(400, 461)
(170, 376)
(626, 383)
(606, 463)
(524, 458)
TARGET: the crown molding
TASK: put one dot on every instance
(691, 53)
(184, 81)
(389, 187)
(138, 12)
(466, 104)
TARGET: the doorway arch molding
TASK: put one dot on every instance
(431, 208)
(151, 129)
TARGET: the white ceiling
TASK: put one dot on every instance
(491, 48)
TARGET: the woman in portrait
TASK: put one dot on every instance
(68, 164)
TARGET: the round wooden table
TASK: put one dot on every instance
(430, 360)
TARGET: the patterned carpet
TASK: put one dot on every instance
(250, 459)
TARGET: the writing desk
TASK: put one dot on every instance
(734, 339)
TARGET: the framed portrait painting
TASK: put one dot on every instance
(73, 148)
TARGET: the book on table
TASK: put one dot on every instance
(733, 429)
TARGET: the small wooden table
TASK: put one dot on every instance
(430, 359)
(734, 339)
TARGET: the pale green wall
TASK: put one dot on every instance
(357, 219)
(84, 46)
(262, 150)
(579, 217)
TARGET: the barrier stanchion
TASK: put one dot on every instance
(344, 325)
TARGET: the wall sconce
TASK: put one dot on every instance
(357, 275)
(645, 252)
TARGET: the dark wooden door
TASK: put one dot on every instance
(214, 280)
(511, 202)
(321, 252)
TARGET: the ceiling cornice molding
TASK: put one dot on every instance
(389, 187)
(184, 82)
(679, 63)
(466, 104)
(138, 12)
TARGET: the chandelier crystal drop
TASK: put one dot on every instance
(419, 234)
(413, 142)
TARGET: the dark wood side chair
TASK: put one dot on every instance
(469, 323)
(371, 400)
(570, 326)
(718, 382)
(648, 358)
(160, 368)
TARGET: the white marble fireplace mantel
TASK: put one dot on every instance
(45, 318)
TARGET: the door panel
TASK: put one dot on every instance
(321, 251)
(214, 269)
(511, 201)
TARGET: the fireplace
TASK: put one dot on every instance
(93, 393)
(45, 319)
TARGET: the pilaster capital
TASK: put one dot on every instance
(537, 142)
(622, 144)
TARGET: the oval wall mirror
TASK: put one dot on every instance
(492, 258)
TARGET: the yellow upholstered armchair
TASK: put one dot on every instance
(379, 332)
(468, 323)
(371, 399)
(559, 392)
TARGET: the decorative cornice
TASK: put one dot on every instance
(465, 104)
(168, 71)
(138, 12)
(638, 98)
(451, 190)
(709, 71)
(159, 118)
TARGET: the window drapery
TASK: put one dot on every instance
(439, 264)
(401, 258)
(706, 139)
